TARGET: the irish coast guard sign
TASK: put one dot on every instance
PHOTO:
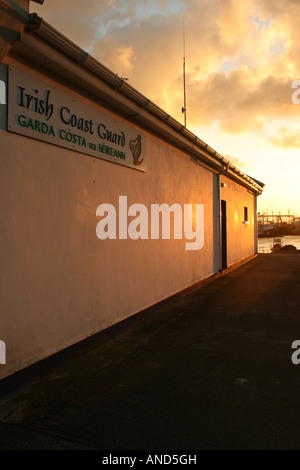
(42, 112)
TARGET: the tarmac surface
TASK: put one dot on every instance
(211, 371)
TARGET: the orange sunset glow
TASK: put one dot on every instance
(241, 60)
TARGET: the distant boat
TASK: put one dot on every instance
(278, 230)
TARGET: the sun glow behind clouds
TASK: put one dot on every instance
(241, 60)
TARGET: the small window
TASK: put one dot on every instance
(246, 220)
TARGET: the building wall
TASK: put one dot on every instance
(59, 282)
(240, 235)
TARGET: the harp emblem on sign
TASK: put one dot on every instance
(136, 150)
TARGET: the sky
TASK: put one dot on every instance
(241, 56)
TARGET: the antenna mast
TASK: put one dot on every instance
(184, 93)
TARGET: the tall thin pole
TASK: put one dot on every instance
(184, 92)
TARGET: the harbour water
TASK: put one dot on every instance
(265, 244)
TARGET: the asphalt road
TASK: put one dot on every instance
(211, 371)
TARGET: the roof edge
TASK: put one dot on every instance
(56, 39)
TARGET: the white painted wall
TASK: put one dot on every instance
(59, 282)
(240, 242)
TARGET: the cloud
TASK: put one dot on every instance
(238, 102)
(79, 21)
(258, 88)
(241, 57)
(235, 161)
(286, 138)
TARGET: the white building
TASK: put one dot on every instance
(75, 136)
